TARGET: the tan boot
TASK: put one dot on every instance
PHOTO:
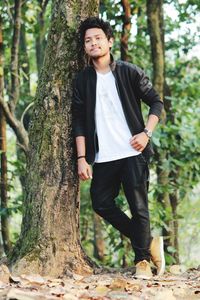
(143, 270)
(157, 254)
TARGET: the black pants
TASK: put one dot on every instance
(132, 172)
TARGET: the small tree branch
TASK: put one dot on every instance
(25, 111)
(16, 125)
(44, 4)
(7, 4)
(22, 147)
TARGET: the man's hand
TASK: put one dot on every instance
(139, 141)
(84, 169)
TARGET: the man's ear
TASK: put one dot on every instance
(111, 41)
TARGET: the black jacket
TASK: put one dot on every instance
(132, 85)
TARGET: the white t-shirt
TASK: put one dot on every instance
(112, 129)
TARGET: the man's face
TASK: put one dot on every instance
(96, 43)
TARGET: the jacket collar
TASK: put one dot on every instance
(112, 62)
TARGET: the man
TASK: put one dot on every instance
(111, 136)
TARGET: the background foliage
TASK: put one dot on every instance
(179, 136)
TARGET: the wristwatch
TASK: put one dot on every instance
(148, 132)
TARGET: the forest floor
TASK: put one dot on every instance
(105, 284)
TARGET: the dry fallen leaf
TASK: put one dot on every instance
(55, 282)
(106, 281)
(153, 284)
(34, 279)
(133, 287)
(58, 291)
(83, 295)
(15, 279)
(119, 295)
(19, 294)
(3, 285)
(4, 274)
(177, 269)
(69, 297)
(118, 283)
(164, 294)
(181, 292)
(102, 289)
(77, 276)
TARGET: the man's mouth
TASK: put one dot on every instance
(95, 49)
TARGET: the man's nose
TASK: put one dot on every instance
(94, 42)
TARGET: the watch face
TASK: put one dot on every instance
(148, 132)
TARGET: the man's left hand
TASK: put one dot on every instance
(139, 141)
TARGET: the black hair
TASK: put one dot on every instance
(93, 22)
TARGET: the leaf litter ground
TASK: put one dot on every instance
(104, 284)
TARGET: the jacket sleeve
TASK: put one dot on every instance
(147, 93)
(78, 111)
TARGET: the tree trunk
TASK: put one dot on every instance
(24, 61)
(49, 243)
(168, 200)
(139, 28)
(124, 262)
(40, 35)
(21, 110)
(156, 30)
(174, 236)
(3, 165)
(4, 185)
(14, 96)
(125, 29)
(173, 175)
(99, 245)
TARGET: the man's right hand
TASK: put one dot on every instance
(84, 169)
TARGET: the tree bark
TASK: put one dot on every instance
(139, 29)
(21, 110)
(99, 245)
(125, 29)
(3, 183)
(40, 36)
(49, 243)
(24, 61)
(156, 30)
(174, 236)
(173, 175)
(168, 199)
(123, 245)
(14, 96)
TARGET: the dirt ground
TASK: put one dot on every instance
(105, 284)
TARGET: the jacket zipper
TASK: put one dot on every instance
(94, 145)
(116, 83)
